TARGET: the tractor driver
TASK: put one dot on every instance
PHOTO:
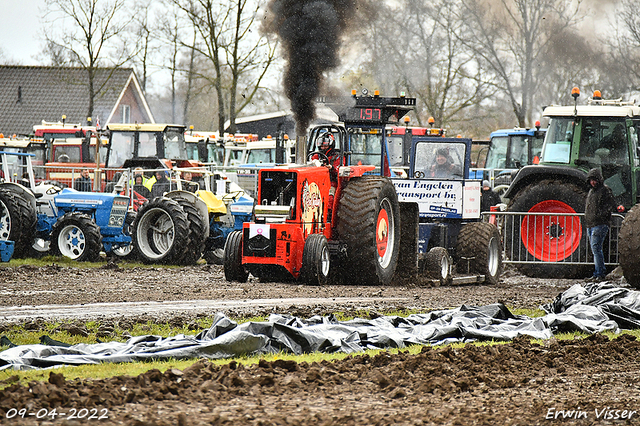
(444, 167)
(326, 144)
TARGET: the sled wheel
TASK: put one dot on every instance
(161, 232)
(76, 236)
(214, 256)
(369, 224)
(629, 247)
(195, 247)
(548, 238)
(126, 252)
(480, 242)
(437, 265)
(234, 270)
(315, 260)
(17, 221)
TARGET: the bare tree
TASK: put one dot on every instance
(190, 77)
(512, 39)
(232, 49)
(243, 61)
(414, 48)
(625, 49)
(170, 27)
(145, 33)
(96, 27)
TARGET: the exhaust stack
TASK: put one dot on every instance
(301, 149)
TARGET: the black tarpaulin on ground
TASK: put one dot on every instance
(591, 309)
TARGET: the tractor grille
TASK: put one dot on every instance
(259, 245)
(118, 212)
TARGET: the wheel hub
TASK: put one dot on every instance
(551, 238)
(555, 231)
(385, 237)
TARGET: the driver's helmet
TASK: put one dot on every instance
(326, 142)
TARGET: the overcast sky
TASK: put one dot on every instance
(21, 29)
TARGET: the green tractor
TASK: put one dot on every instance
(601, 134)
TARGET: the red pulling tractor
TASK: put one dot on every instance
(299, 221)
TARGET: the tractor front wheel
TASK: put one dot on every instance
(315, 260)
(479, 244)
(369, 224)
(76, 236)
(437, 265)
(234, 270)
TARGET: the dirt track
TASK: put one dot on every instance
(28, 287)
(517, 383)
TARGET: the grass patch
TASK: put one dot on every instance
(63, 261)
(106, 370)
(532, 313)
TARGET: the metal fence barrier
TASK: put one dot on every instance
(548, 238)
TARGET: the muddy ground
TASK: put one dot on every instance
(589, 381)
(27, 286)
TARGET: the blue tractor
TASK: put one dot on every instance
(509, 150)
(78, 225)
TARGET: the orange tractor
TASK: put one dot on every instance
(324, 217)
(299, 222)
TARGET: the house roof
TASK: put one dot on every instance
(31, 94)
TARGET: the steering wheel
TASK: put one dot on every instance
(232, 196)
(323, 157)
(53, 190)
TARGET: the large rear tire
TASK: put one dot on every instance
(195, 247)
(76, 236)
(234, 270)
(161, 232)
(629, 247)
(480, 242)
(17, 221)
(548, 238)
(315, 260)
(369, 223)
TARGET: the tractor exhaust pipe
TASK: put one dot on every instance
(301, 149)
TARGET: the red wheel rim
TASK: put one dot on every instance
(551, 238)
(382, 232)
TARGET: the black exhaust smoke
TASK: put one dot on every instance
(310, 32)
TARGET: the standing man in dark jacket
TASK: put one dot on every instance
(597, 215)
(161, 185)
(83, 183)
